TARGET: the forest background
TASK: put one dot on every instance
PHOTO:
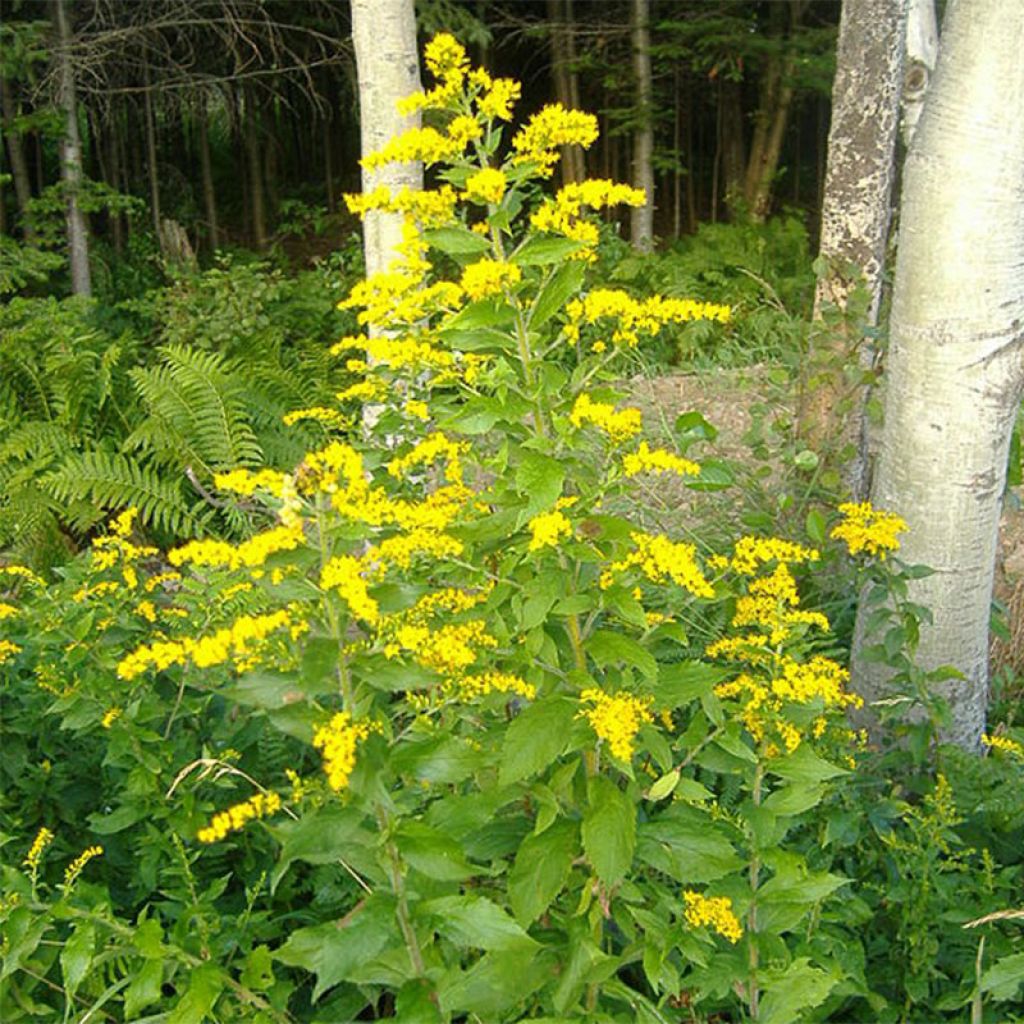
(174, 251)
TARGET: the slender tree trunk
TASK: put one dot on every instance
(332, 201)
(387, 66)
(206, 169)
(271, 163)
(733, 143)
(641, 218)
(855, 218)
(16, 156)
(565, 80)
(116, 181)
(71, 159)
(153, 171)
(677, 156)
(251, 129)
(922, 52)
(955, 366)
(765, 153)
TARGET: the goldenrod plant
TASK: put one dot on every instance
(445, 740)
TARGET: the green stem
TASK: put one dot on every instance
(753, 993)
(333, 620)
(398, 885)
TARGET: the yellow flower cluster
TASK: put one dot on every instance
(498, 96)
(114, 547)
(467, 688)
(74, 869)
(20, 572)
(657, 461)
(772, 603)
(249, 554)
(247, 483)
(431, 208)
(562, 214)
(486, 186)
(865, 528)
(616, 718)
(392, 300)
(1005, 745)
(659, 558)
(632, 317)
(489, 277)
(433, 447)
(237, 642)
(7, 610)
(446, 60)
(8, 649)
(619, 426)
(235, 818)
(345, 575)
(550, 128)
(417, 144)
(318, 414)
(548, 529)
(448, 649)
(750, 553)
(35, 853)
(110, 716)
(337, 742)
(714, 912)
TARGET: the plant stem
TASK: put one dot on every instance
(398, 885)
(753, 993)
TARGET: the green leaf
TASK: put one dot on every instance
(538, 734)
(475, 922)
(444, 759)
(205, 985)
(483, 313)
(664, 786)
(117, 821)
(1004, 977)
(565, 282)
(715, 475)
(495, 983)
(686, 845)
(319, 837)
(76, 956)
(540, 870)
(145, 989)
(607, 647)
(681, 682)
(804, 765)
(539, 478)
(433, 853)
(609, 829)
(795, 799)
(790, 992)
(258, 973)
(416, 1003)
(587, 962)
(456, 241)
(816, 527)
(332, 951)
(539, 251)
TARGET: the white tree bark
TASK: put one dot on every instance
(641, 221)
(387, 66)
(955, 368)
(922, 53)
(857, 206)
(71, 159)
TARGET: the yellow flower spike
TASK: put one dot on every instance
(110, 716)
(75, 868)
(657, 461)
(8, 650)
(616, 718)
(337, 742)
(551, 128)
(660, 559)
(865, 528)
(35, 854)
(1004, 745)
(7, 610)
(236, 817)
(500, 98)
(714, 912)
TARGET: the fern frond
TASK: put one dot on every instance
(117, 482)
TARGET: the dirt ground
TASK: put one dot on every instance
(726, 400)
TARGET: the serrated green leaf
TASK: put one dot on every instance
(1002, 980)
(205, 985)
(433, 853)
(146, 988)
(320, 837)
(475, 922)
(538, 734)
(539, 251)
(76, 956)
(456, 241)
(791, 992)
(539, 478)
(664, 786)
(804, 765)
(607, 647)
(564, 283)
(609, 829)
(541, 869)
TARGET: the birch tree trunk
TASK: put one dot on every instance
(856, 211)
(71, 159)
(955, 368)
(922, 53)
(387, 66)
(641, 218)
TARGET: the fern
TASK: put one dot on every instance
(116, 481)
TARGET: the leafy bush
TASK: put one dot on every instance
(445, 740)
